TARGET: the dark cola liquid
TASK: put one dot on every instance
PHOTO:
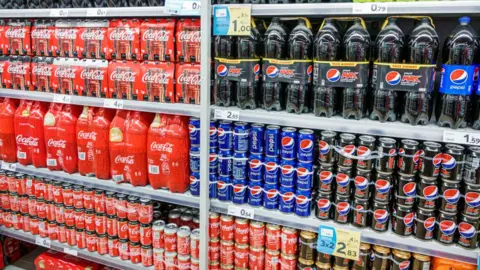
(224, 47)
(248, 47)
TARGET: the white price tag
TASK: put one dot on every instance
(462, 137)
(58, 98)
(238, 211)
(227, 114)
(9, 166)
(97, 12)
(44, 242)
(191, 5)
(113, 103)
(59, 13)
(69, 251)
(370, 8)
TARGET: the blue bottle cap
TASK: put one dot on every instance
(464, 20)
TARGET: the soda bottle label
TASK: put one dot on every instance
(93, 78)
(187, 88)
(404, 77)
(340, 74)
(458, 79)
(237, 70)
(287, 71)
(18, 73)
(157, 82)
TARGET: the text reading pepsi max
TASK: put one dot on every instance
(404, 77)
(340, 74)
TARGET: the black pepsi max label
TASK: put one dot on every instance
(403, 77)
(458, 79)
(340, 74)
(238, 70)
(287, 71)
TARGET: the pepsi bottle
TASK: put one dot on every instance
(299, 48)
(325, 48)
(275, 45)
(459, 48)
(225, 47)
(388, 49)
(356, 43)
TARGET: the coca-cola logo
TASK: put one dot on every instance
(192, 79)
(93, 34)
(124, 228)
(42, 70)
(92, 74)
(227, 228)
(214, 225)
(124, 160)
(28, 141)
(17, 69)
(242, 231)
(87, 135)
(67, 33)
(70, 215)
(170, 240)
(89, 219)
(124, 76)
(41, 33)
(15, 33)
(189, 36)
(56, 192)
(156, 35)
(134, 252)
(122, 34)
(56, 144)
(160, 78)
(214, 248)
(134, 231)
(91, 240)
(161, 147)
(80, 217)
(65, 73)
(289, 240)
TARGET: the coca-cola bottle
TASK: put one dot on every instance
(53, 144)
(8, 150)
(119, 160)
(101, 127)
(39, 153)
(67, 134)
(85, 141)
(22, 134)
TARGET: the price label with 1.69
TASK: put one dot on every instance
(338, 242)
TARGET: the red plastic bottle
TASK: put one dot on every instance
(136, 145)
(118, 152)
(39, 153)
(24, 141)
(67, 133)
(85, 141)
(53, 144)
(8, 150)
(101, 126)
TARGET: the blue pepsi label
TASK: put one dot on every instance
(239, 70)
(458, 80)
(270, 196)
(287, 71)
(255, 194)
(239, 195)
(304, 175)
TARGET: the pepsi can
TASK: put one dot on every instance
(225, 162)
(468, 232)
(325, 147)
(432, 160)
(195, 183)
(239, 191)
(424, 224)
(447, 225)
(360, 210)
(362, 184)
(241, 134)
(303, 202)
(325, 178)
(271, 170)
(348, 149)
(304, 175)
(272, 141)
(452, 162)
(194, 159)
(255, 193)
(450, 196)
(213, 134)
(288, 143)
(380, 216)
(212, 187)
(270, 196)
(257, 138)
(288, 172)
(224, 188)
(409, 157)
(213, 161)
(343, 182)
(383, 187)
(366, 145)
(323, 205)
(239, 165)
(406, 189)
(225, 135)
(255, 167)
(386, 148)
(472, 201)
(471, 174)
(427, 193)
(403, 219)
(194, 131)
(305, 144)
(287, 199)
(342, 209)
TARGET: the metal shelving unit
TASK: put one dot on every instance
(111, 12)
(114, 262)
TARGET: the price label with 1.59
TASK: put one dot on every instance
(232, 20)
(462, 137)
(338, 242)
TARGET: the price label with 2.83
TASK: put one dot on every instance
(338, 242)
(232, 20)
(462, 137)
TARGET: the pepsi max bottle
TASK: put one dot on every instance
(275, 45)
(225, 47)
(459, 49)
(325, 48)
(356, 44)
(299, 48)
(422, 49)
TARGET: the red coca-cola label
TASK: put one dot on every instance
(43, 35)
(157, 82)
(125, 80)
(17, 37)
(92, 39)
(157, 39)
(17, 73)
(42, 71)
(187, 77)
(93, 80)
(66, 34)
(188, 40)
(66, 73)
(123, 40)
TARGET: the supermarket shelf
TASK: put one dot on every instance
(185, 199)
(145, 106)
(442, 8)
(81, 253)
(397, 129)
(367, 235)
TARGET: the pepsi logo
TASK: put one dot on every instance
(255, 165)
(271, 167)
(303, 173)
(310, 71)
(466, 230)
(459, 76)
(213, 158)
(213, 131)
(192, 129)
(288, 170)
(401, 152)
(306, 145)
(221, 186)
(363, 151)
(333, 75)
(475, 73)
(410, 189)
(437, 160)
(222, 70)
(239, 189)
(359, 208)
(326, 177)
(472, 199)
(430, 192)
(342, 180)
(405, 265)
(256, 69)
(381, 215)
(408, 219)
(193, 179)
(451, 195)
(302, 200)
(393, 78)
(324, 147)
(419, 154)
(361, 182)
(448, 162)
(447, 227)
(272, 71)
(349, 149)
(343, 208)
(288, 197)
(255, 191)
(382, 186)
(429, 224)
(324, 204)
(392, 152)
(288, 143)
(272, 194)
(221, 132)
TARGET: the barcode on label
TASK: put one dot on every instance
(153, 169)
(475, 162)
(51, 162)
(81, 155)
(21, 155)
(117, 178)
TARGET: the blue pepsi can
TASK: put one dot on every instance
(287, 199)
(304, 175)
(303, 202)
(224, 188)
(288, 140)
(195, 183)
(257, 138)
(212, 187)
(239, 164)
(270, 196)
(255, 167)
(305, 144)
(213, 161)
(225, 162)
(288, 172)
(255, 193)
(194, 158)
(213, 134)
(272, 141)
(241, 134)
(194, 131)
(239, 191)
(225, 135)
(271, 170)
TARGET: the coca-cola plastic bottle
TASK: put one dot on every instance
(157, 40)
(8, 151)
(188, 40)
(187, 86)
(22, 134)
(53, 144)
(101, 127)
(37, 115)
(119, 159)
(85, 141)
(67, 122)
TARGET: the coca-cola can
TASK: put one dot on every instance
(272, 237)
(88, 198)
(29, 184)
(32, 205)
(124, 249)
(241, 231)
(135, 252)
(41, 208)
(272, 258)
(158, 258)
(288, 262)
(91, 238)
(13, 199)
(50, 191)
(99, 201)
(17, 221)
(49, 210)
(174, 216)
(183, 241)
(67, 193)
(289, 240)
(380, 216)
(147, 255)
(171, 262)
(110, 203)
(79, 218)
(71, 235)
(227, 228)
(214, 249)
(25, 221)
(257, 234)
(132, 208)
(447, 225)
(59, 213)
(213, 225)
(112, 227)
(424, 224)
(183, 262)
(62, 232)
(134, 231)
(194, 264)
(52, 230)
(80, 238)
(33, 225)
(227, 252)
(170, 237)
(145, 212)
(145, 234)
(113, 246)
(195, 244)
(90, 220)
(122, 224)
(241, 255)
(158, 228)
(23, 203)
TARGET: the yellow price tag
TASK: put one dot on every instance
(348, 244)
(232, 20)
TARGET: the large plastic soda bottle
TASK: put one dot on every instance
(275, 44)
(24, 141)
(356, 45)
(388, 49)
(299, 48)
(101, 127)
(39, 153)
(460, 48)
(85, 141)
(225, 47)
(8, 151)
(326, 48)
(67, 122)
(53, 144)
(422, 49)
(119, 159)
